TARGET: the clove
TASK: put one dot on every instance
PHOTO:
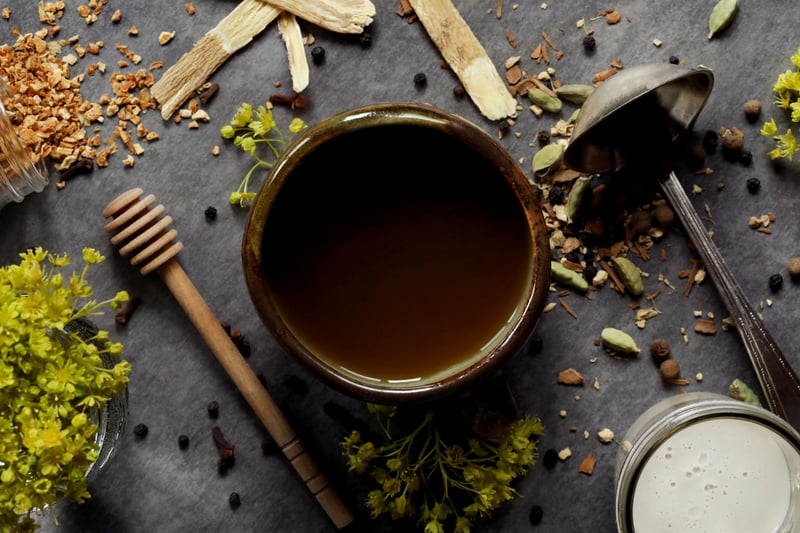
(295, 100)
(208, 93)
(225, 448)
(81, 166)
(126, 312)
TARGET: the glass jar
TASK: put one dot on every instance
(705, 462)
(20, 175)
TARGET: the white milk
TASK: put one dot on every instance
(721, 475)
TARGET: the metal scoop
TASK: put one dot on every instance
(632, 121)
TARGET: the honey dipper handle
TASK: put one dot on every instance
(253, 391)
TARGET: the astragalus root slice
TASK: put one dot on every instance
(233, 32)
(466, 56)
(293, 38)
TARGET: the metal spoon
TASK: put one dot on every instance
(631, 121)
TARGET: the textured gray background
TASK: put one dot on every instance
(152, 485)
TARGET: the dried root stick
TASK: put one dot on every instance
(466, 56)
(233, 32)
(293, 38)
(340, 16)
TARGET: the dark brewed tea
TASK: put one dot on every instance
(396, 253)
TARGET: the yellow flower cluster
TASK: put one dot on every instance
(52, 383)
(426, 476)
(248, 130)
(787, 96)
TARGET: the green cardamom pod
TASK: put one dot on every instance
(547, 102)
(568, 278)
(721, 16)
(580, 192)
(618, 342)
(629, 274)
(574, 116)
(738, 390)
(548, 159)
(574, 93)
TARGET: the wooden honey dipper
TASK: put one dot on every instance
(138, 230)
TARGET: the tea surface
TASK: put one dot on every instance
(400, 262)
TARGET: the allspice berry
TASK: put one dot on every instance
(794, 267)
(752, 110)
(670, 370)
(664, 216)
(660, 349)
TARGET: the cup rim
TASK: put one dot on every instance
(418, 115)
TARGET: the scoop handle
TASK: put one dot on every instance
(778, 381)
(253, 391)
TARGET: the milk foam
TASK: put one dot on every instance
(719, 475)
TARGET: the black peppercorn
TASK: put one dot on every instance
(269, 447)
(296, 384)
(213, 409)
(211, 212)
(365, 38)
(753, 184)
(420, 79)
(535, 346)
(675, 60)
(140, 430)
(459, 91)
(589, 273)
(183, 441)
(536, 515)
(556, 195)
(318, 55)
(746, 157)
(775, 282)
(550, 459)
(234, 499)
(589, 43)
(543, 137)
(696, 157)
(710, 141)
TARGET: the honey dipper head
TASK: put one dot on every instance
(140, 230)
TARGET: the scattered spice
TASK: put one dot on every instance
(660, 349)
(225, 448)
(207, 92)
(318, 55)
(739, 390)
(213, 409)
(536, 514)
(705, 326)
(570, 376)
(752, 110)
(775, 282)
(140, 430)
(550, 458)
(589, 43)
(210, 212)
(269, 447)
(587, 465)
(420, 79)
(669, 370)
(794, 267)
(234, 500)
(753, 184)
(125, 314)
(81, 166)
(183, 441)
(721, 16)
(618, 342)
(605, 436)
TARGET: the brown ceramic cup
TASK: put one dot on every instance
(397, 251)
